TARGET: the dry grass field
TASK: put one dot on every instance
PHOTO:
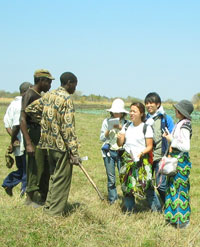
(92, 222)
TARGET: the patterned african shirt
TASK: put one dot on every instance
(55, 113)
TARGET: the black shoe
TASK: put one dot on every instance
(37, 198)
(8, 191)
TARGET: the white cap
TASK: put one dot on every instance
(118, 107)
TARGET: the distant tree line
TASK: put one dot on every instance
(77, 96)
(98, 98)
(196, 98)
(5, 94)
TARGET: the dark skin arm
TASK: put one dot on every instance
(15, 131)
(10, 148)
(9, 130)
(15, 141)
(75, 160)
(23, 126)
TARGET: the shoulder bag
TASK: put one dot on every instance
(168, 165)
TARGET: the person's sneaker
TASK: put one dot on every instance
(8, 191)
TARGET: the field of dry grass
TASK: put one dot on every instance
(92, 222)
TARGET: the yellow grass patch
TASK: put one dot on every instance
(5, 100)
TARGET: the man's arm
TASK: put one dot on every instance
(68, 133)
(15, 131)
(9, 131)
(14, 140)
(34, 111)
(23, 126)
(8, 119)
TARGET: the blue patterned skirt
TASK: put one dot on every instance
(177, 201)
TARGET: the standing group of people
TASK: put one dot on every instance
(43, 139)
(137, 146)
(48, 127)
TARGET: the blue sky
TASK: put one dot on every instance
(115, 48)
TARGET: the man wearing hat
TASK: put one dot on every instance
(37, 172)
(58, 140)
(11, 122)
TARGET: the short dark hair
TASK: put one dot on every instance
(141, 108)
(67, 77)
(152, 98)
(24, 87)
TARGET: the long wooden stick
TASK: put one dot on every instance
(91, 181)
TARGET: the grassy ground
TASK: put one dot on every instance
(92, 222)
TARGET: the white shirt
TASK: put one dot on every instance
(11, 119)
(112, 138)
(181, 137)
(135, 141)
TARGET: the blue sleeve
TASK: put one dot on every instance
(170, 123)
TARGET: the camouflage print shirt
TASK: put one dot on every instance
(55, 113)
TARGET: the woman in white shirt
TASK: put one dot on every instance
(177, 201)
(136, 170)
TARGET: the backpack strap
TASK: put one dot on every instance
(144, 129)
(151, 152)
(127, 125)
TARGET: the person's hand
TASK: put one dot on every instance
(167, 136)
(117, 126)
(120, 135)
(16, 143)
(140, 155)
(30, 149)
(10, 148)
(75, 160)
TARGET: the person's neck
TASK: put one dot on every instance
(37, 88)
(137, 122)
(181, 118)
(160, 110)
(66, 88)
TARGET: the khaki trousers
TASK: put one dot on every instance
(59, 183)
(37, 169)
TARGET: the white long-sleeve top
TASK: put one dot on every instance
(181, 135)
(11, 118)
(112, 138)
